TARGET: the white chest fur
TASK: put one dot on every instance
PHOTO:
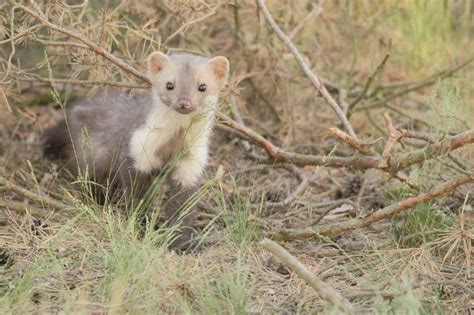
(160, 129)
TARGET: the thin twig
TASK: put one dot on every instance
(417, 86)
(28, 31)
(189, 23)
(323, 289)
(317, 10)
(59, 43)
(354, 143)
(315, 80)
(23, 208)
(37, 78)
(370, 79)
(304, 181)
(37, 199)
(332, 204)
(234, 108)
(393, 136)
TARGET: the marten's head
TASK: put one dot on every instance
(187, 82)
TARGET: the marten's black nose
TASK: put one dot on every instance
(184, 105)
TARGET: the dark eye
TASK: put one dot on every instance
(169, 86)
(202, 88)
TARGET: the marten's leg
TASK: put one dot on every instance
(176, 211)
(183, 185)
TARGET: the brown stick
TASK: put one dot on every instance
(296, 193)
(315, 80)
(324, 290)
(393, 136)
(37, 78)
(371, 78)
(22, 208)
(395, 163)
(354, 143)
(338, 228)
(37, 199)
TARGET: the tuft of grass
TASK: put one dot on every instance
(229, 293)
(422, 224)
(237, 216)
(447, 108)
(106, 260)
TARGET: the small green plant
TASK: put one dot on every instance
(421, 225)
(227, 294)
(446, 108)
(237, 215)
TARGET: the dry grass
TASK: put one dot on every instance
(100, 260)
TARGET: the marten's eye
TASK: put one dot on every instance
(169, 86)
(202, 88)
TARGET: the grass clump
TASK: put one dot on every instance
(229, 293)
(236, 213)
(422, 224)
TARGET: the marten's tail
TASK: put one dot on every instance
(56, 141)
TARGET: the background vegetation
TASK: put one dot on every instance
(61, 252)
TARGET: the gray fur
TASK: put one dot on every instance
(98, 130)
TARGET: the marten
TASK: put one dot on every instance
(128, 139)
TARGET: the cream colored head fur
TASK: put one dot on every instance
(186, 82)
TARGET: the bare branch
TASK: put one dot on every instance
(317, 10)
(22, 208)
(189, 23)
(41, 200)
(37, 78)
(315, 80)
(394, 164)
(416, 86)
(393, 136)
(324, 290)
(371, 78)
(354, 143)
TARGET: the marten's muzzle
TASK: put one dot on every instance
(184, 106)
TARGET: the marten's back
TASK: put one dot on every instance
(102, 123)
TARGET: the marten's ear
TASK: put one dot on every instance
(220, 67)
(156, 63)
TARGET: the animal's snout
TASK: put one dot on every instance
(185, 106)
